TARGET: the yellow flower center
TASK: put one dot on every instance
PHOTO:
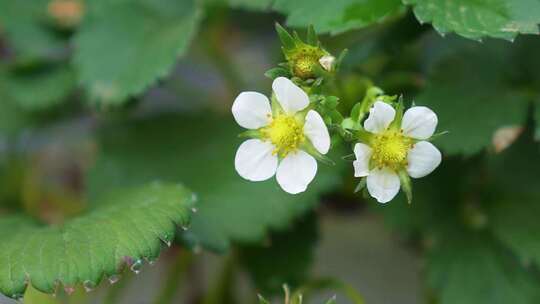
(390, 150)
(286, 133)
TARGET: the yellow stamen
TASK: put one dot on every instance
(390, 150)
(286, 133)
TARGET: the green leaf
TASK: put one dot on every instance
(459, 215)
(473, 91)
(285, 258)
(200, 150)
(473, 269)
(480, 18)
(250, 4)
(513, 215)
(125, 227)
(337, 16)
(27, 33)
(38, 89)
(143, 39)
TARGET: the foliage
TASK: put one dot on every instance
(209, 172)
(474, 220)
(126, 227)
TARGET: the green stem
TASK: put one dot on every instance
(213, 44)
(221, 291)
(176, 273)
(324, 284)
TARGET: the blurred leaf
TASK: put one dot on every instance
(472, 91)
(286, 259)
(12, 118)
(126, 227)
(247, 4)
(461, 213)
(38, 89)
(337, 16)
(476, 19)
(514, 214)
(200, 150)
(123, 47)
(471, 268)
(25, 23)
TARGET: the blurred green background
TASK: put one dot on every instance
(102, 95)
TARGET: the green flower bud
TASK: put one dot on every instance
(306, 60)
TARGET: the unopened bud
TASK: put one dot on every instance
(327, 62)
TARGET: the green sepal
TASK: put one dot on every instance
(371, 96)
(437, 135)
(310, 149)
(330, 102)
(276, 107)
(406, 184)
(344, 133)
(339, 59)
(349, 123)
(363, 136)
(311, 36)
(287, 40)
(274, 73)
(396, 123)
(361, 185)
(250, 134)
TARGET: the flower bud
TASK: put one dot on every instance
(327, 62)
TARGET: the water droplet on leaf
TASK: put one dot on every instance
(114, 278)
(89, 285)
(136, 266)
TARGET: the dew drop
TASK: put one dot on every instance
(166, 239)
(194, 210)
(89, 285)
(136, 266)
(113, 279)
(151, 262)
(185, 228)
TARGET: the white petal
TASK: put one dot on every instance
(423, 158)
(251, 110)
(361, 164)
(315, 129)
(296, 171)
(380, 117)
(383, 184)
(291, 98)
(254, 160)
(419, 122)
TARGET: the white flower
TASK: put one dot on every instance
(282, 135)
(393, 149)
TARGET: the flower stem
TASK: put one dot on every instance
(221, 291)
(182, 262)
